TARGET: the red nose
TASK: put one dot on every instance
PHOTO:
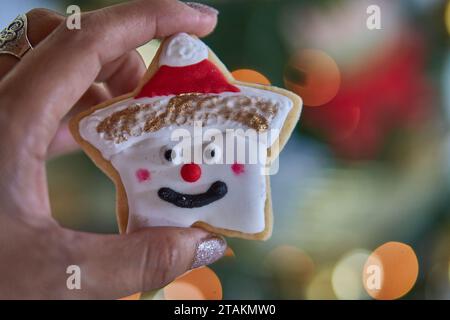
(191, 172)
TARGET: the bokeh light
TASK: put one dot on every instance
(229, 253)
(252, 76)
(390, 271)
(321, 287)
(447, 17)
(198, 284)
(292, 269)
(449, 271)
(314, 76)
(346, 277)
(149, 50)
(289, 258)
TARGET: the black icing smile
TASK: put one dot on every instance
(217, 191)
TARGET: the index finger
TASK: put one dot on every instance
(53, 77)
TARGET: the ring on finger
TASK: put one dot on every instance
(14, 38)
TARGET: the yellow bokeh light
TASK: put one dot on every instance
(346, 277)
(149, 50)
(449, 271)
(390, 271)
(447, 17)
(320, 287)
(153, 295)
(252, 76)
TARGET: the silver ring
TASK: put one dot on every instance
(14, 39)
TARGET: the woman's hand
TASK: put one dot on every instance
(69, 70)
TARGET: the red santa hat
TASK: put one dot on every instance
(184, 68)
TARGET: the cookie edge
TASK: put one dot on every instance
(122, 208)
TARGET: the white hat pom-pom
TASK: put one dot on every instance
(183, 50)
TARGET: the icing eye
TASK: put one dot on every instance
(168, 155)
(171, 155)
(212, 154)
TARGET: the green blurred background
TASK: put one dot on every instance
(367, 166)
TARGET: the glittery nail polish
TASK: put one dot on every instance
(203, 8)
(209, 251)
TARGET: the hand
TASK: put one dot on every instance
(67, 71)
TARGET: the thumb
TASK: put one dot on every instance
(114, 266)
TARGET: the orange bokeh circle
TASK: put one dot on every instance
(183, 291)
(229, 253)
(314, 76)
(391, 271)
(252, 76)
(198, 284)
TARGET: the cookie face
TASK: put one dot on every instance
(190, 146)
(162, 193)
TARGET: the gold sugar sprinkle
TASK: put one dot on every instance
(253, 112)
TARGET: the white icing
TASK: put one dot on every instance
(88, 125)
(182, 50)
(241, 209)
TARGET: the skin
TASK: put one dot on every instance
(68, 71)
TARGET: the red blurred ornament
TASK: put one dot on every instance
(389, 94)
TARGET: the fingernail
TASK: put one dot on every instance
(203, 8)
(209, 251)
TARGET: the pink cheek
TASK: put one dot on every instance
(238, 169)
(143, 175)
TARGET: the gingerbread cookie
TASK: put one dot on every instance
(173, 146)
